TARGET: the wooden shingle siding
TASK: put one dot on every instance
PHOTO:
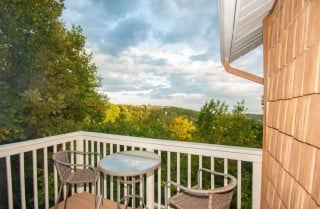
(291, 153)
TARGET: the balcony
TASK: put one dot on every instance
(180, 160)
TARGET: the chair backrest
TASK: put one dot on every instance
(220, 198)
(63, 170)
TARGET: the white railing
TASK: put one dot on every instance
(180, 160)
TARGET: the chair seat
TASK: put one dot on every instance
(83, 176)
(200, 198)
(186, 201)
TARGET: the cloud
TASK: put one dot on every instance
(201, 57)
(162, 52)
(187, 21)
(126, 33)
(116, 9)
(110, 26)
(147, 60)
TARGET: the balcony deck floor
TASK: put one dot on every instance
(84, 200)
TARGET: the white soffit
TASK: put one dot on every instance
(241, 26)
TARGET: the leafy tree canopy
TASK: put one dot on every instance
(47, 78)
(216, 125)
(182, 128)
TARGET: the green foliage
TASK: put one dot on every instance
(217, 126)
(209, 117)
(213, 125)
(47, 78)
(239, 108)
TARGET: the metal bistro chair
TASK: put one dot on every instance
(198, 198)
(67, 175)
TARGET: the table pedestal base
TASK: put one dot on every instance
(130, 184)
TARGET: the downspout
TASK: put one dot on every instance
(242, 73)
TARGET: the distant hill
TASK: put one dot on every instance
(191, 114)
(255, 116)
(188, 113)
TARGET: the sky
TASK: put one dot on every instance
(162, 52)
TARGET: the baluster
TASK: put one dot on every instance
(178, 169)
(9, 182)
(200, 177)
(225, 165)
(45, 173)
(65, 186)
(239, 175)
(35, 179)
(80, 159)
(22, 181)
(55, 176)
(105, 176)
(189, 170)
(111, 177)
(159, 183)
(169, 171)
(256, 184)
(72, 162)
(212, 176)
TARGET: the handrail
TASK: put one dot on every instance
(223, 151)
(219, 151)
(101, 142)
(25, 146)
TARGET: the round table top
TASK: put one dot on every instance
(130, 163)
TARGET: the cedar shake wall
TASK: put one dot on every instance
(291, 152)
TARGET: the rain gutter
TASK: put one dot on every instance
(241, 73)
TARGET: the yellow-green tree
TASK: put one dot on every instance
(112, 113)
(182, 128)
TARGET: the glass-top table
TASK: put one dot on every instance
(130, 163)
(127, 166)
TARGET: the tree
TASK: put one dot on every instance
(216, 125)
(209, 118)
(47, 78)
(239, 108)
(112, 113)
(182, 128)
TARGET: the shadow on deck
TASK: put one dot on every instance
(84, 200)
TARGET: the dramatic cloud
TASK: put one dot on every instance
(162, 52)
(126, 33)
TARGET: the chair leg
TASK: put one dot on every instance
(100, 200)
(65, 201)
(57, 200)
(166, 196)
(102, 190)
(95, 194)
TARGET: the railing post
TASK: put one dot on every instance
(80, 158)
(22, 181)
(9, 182)
(150, 187)
(256, 184)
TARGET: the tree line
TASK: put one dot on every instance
(214, 123)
